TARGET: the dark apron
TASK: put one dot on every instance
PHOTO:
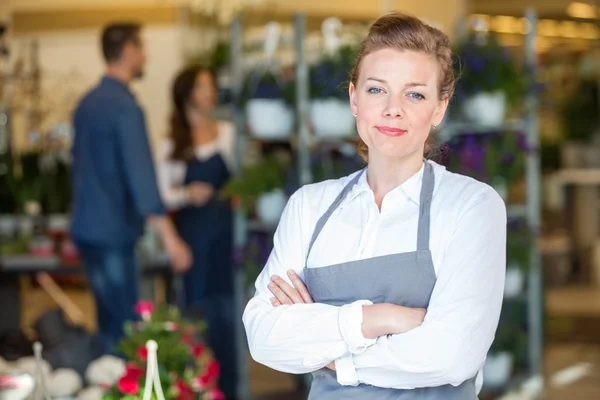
(209, 284)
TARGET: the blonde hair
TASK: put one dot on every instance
(405, 32)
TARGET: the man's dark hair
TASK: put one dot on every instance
(116, 36)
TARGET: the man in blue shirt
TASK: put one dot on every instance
(114, 186)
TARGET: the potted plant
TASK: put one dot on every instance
(580, 126)
(330, 111)
(500, 362)
(497, 159)
(186, 367)
(260, 189)
(489, 80)
(267, 100)
(519, 242)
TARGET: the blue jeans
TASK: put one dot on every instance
(113, 274)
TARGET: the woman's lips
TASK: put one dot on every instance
(389, 131)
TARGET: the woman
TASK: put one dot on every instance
(195, 164)
(403, 262)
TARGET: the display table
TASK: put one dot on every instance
(585, 212)
(32, 280)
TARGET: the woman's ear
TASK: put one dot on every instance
(352, 94)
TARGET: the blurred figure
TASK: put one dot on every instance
(195, 164)
(114, 185)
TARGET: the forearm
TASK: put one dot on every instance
(175, 197)
(389, 319)
(163, 226)
(297, 338)
(424, 357)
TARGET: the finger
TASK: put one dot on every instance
(275, 302)
(288, 289)
(300, 287)
(279, 294)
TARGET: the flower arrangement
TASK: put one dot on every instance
(186, 367)
(328, 77)
(483, 65)
(257, 178)
(269, 86)
(493, 157)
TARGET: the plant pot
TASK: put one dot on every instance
(270, 206)
(8, 225)
(269, 118)
(497, 369)
(513, 285)
(487, 109)
(332, 118)
(58, 223)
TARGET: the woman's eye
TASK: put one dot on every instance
(375, 90)
(416, 96)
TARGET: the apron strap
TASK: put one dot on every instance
(323, 220)
(426, 197)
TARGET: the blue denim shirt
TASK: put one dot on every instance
(113, 177)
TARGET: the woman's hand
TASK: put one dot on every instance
(199, 193)
(287, 294)
(390, 319)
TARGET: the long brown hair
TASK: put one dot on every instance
(405, 32)
(181, 132)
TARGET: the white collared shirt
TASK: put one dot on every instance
(468, 245)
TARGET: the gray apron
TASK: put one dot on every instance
(405, 279)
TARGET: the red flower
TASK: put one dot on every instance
(144, 309)
(187, 339)
(211, 374)
(128, 385)
(143, 353)
(185, 391)
(216, 394)
(197, 350)
(133, 371)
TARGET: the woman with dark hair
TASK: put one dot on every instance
(195, 164)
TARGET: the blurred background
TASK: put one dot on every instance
(525, 118)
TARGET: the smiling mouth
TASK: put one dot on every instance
(389, 131)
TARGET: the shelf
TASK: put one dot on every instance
(259, 226)
(452, 129)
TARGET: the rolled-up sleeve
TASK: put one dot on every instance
(137, 161)
(298, 338)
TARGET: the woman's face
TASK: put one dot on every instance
(204, 93)
(396, 102)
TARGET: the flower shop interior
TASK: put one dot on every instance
(524, 119)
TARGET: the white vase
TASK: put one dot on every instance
(8, 225)
(487, 109)
(332, 118)
(58, 222)
(513, 284)
(497, 369)
(269, 118)
(270, 206)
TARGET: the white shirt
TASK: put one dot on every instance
(468, 245)
(171, 173)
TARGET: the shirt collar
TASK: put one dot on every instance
(411, 188)
(114, 82)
